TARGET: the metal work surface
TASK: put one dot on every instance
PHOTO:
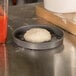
(23, 62)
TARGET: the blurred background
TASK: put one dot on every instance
(21, 2)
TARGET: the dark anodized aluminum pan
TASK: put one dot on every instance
(57, 37)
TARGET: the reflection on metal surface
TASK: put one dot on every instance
(43, 63)
(63, 63)
(70, 54)
(25, 63)
(3, 60)
(73, 61)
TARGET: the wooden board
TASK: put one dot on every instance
(51, 17)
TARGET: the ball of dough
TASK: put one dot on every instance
(37, 35)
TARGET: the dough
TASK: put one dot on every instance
(37, 35)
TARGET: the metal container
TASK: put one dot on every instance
(41, 56)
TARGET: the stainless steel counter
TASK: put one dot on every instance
(19, 62)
